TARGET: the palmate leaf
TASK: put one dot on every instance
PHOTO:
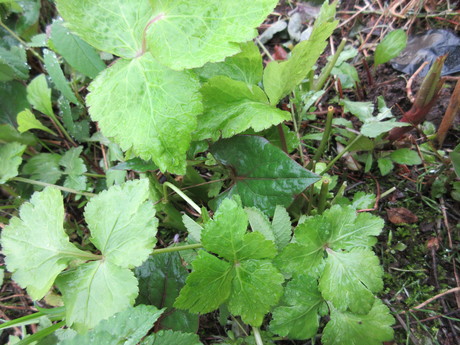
(127, 327)
(11, 158)
(248, 281)
(337, 228)
(36, 246)
(125, 235)
(147, 108)
(350, 279)
(346, 328)
(95, 291)
(263, 175)
(74, 168)
(297, 317)
(231, 107)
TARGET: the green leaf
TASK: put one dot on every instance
(36, 246)
(455, 158)
(406, 156)
(76, 52)
(208, 286)
(120, 23)
(373, 129)
(390, 47)
(362, 110)
(231, 107)
(137, 165)
(95, 291)
(16, 95)
(385, 165)
(264, 176)
(245, 66)
(350, 279)
(43, 167)
(74, 169)
(151, 109)
(27, 121)
(161, 277)
(339, 228)
(57, 76)
(11, 158)
(297, 317)
(189, 34)
(256, 288)
(126, 234)
(280, 78)
(39, 95)
(170, 337)
(9, 134)
(126, 327)
(346, 328)
(13, 64)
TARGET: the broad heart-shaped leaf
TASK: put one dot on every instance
(248, 282)
(147, 108)
(350, 279)
(337, 228)
(297, 317)
(188, 34)
(264, 176)
(170, 337)
(127, 327)
(161, 278)
(11, 158)
(232, 106)
(95, 291)
(280, 78)
(120, 24)
(245, 66)
(123, 223)
(36, 246)
(346, 328)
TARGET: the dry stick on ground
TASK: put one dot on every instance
(410, 95)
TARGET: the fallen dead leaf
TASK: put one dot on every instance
(401, 215)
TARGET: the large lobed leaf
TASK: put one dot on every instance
(248, 281)
(36, 246)
(263, 175)
(147, 108)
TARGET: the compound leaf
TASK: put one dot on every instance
(245, 66)
(74, 168)
(11, 158)
(126, 327)
(346, 328)
(43, 167)
(147, 108)
(264, 176)
(36, 246)
(350, 279)
(122, 223)
(232, 107)
(188, 34)
(208, 286)
(297, 318)
(95, 291)
(120, 24)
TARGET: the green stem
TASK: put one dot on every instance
(44, 184)
(12, 33)
(326, 72)
(181, 194)
(340, 155)
(61, 127)
(389, 191)
(42, 333)
(257, 336)
(94, 175)
(177, 249)
(323, 196)
(261, 45)
(296, 129)
(326, 134)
